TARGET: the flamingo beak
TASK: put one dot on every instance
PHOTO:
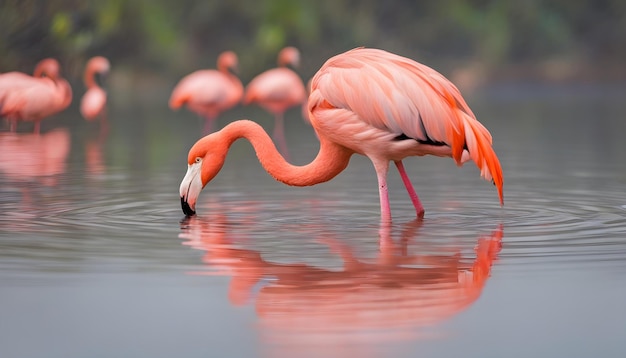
(190, 188)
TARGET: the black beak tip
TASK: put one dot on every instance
(186, 208)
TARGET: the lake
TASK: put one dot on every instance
(98, 260)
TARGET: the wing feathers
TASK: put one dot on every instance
(404, 97)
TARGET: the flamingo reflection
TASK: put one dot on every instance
(28, 157)
(397, 295)
(94, 151)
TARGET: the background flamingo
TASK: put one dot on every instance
(36, 99)
(277, 90)
(47, 67)
(93, 103)
(364, 101)
(15, 80)
(210, 92)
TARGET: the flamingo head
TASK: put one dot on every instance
(48, 67)
(289, 56)
(99, 64)
(204, 161)
(228, 61)
(97, 68)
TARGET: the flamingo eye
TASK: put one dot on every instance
(198, 159)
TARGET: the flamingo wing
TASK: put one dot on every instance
(276, 85)
(39, 100)
(206, 88)
(409, 99)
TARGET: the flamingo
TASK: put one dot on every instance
(36, 98)
(277, 90)
(210, 92)
(14, 80)
(93, 103)
(366, 101)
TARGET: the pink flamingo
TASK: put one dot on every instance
(277, 90)
(93, 103)
(366, 101)
(210, 92)
(9, 81)
(36, 98)
(47, 67)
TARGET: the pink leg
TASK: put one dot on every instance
(279, 135)
(36, 130)
(209, 123)
(419, 209)
(381, 172)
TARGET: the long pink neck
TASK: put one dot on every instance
(89, 79)
(331, 160)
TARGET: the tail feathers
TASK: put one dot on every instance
(478, 142)
(178, 100)
(456, 128)
(249, 97)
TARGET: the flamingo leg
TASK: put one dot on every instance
(12, 124)
(279, 125)
(209, 123)
(36, 130)
(419, 209)
(279, 134)
(382, 167)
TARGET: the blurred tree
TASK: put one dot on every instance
(174, 38)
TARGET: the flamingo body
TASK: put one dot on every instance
(17, 81)
(366, 101)
(210, 92)
(37, 101)
(94, 100)
(276, 90)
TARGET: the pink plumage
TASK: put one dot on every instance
(210, 92)
(388, 107)
(94, 100)
(32, 99)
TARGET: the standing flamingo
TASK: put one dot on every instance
(364, 101)
(15, 80)
(36, 99)
(93, 103)
(277, 90)
(210, 92)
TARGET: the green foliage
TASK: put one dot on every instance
(176, 37)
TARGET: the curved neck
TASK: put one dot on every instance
(89, 79)
(331, 160)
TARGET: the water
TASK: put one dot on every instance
(96, 259)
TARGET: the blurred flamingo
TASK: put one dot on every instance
(47, 67)
(210, 92)
(37, 98)
(277, 90)
(93, 103)
(366, 101)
